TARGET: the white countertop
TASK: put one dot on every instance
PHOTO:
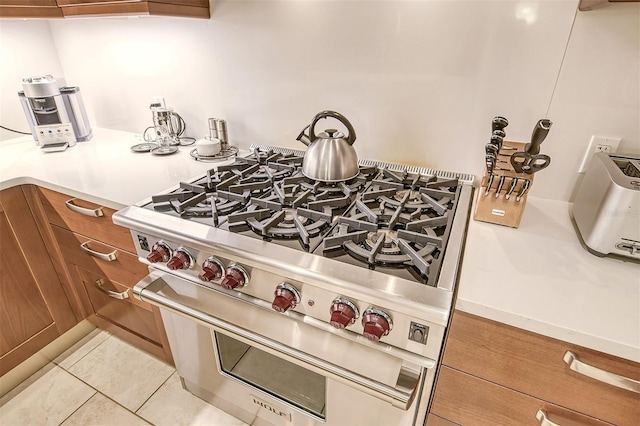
(540, 278)
(537, 277)
(103, 170)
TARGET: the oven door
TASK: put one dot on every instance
(252, 361)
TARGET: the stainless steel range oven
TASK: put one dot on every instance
(288, 301)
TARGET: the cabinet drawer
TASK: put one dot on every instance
(85, 218)
(468, 400)
(533, 364)
(123, 268)
(107, 302)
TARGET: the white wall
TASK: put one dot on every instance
(26, 49)
(420, 80)
(598, 93)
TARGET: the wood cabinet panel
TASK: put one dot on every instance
(124, 312)
(184, 8)
(533, 364)
(433, 420)
(99, 228)
(29, 9)
(201, 3)
(72, 8)
(132, 320)
(34, 308)
(125, 268)
(23, 310)
(468, 400)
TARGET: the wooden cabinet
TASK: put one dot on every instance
(29, 9)
(494, 373)
(184, 8)
(99, 261)
(34, 308)
(74, 8)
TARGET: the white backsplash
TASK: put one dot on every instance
(420, 80)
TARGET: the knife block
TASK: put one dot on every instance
(497, 209)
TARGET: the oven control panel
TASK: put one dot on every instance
(283, 295)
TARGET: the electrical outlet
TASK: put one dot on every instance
(598, 144)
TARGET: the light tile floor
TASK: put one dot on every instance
(103, 380)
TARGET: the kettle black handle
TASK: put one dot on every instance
(351, 137)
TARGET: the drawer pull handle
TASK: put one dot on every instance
(544, 420)
(114, 294)
(596, 373)
(109, 257)
(87, 212)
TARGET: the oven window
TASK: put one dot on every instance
(282, 379)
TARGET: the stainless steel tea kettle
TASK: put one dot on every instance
(330, 156)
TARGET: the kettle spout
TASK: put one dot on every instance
(304, 137)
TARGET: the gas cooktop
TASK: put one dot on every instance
(390, 218)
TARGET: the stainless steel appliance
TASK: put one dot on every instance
(55, 113)
(607, 207)
(330, 156)
(293, 301)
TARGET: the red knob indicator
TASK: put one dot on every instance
(234, 278)
(376, 324)
(160, 252)
(212, 269)
(286, 297)
(343, 313)
(179, 260)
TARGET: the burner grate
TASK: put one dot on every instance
(401, 220)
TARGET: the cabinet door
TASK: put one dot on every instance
(34, 309)
(85, 218)
(30, 9)
(468, 400)
(185, 8)
(535, 365)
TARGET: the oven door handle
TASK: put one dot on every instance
(401, 395)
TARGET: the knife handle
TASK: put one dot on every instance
(539, 134)
(497, 141)
(500, 133)
(490, 162)
(499, 123)
(491, 149)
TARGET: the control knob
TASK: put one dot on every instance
(343, 313)
(181, 259)
(236, 277)
(160, 252)
(286, 297)
(212, 269)
(376, 324)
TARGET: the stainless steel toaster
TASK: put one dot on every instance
(607, 206)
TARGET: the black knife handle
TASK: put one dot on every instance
(539, 134)
(499, 123)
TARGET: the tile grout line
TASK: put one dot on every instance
(83, 356)
(152, 394)
(95, 391)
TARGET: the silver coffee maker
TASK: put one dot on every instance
(56, 114)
